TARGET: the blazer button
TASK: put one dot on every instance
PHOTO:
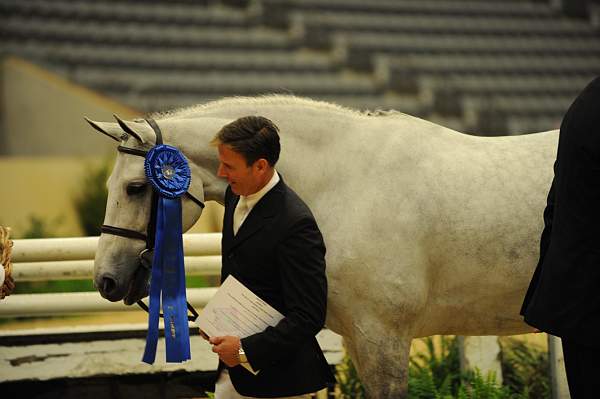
(230, 256)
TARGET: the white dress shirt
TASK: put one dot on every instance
(247, 202)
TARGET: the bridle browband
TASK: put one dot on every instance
(150, 235)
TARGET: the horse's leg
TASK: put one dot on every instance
(381, 360)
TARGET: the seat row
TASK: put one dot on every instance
(142, 34)
(499, 114)
(275, 12)
(172, 59)
(327, 22)
(515, 125)
(402, 72)
(358, 49)
(447, 93)
(234, 83)
(185, 13)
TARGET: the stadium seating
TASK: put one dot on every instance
(486, 66)
(317, 27)
(358, 49)
(400, 72)
(448, 90)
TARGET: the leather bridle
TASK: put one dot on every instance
(150, 235)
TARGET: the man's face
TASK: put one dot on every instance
(243, 179)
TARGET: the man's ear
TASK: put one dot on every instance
(262, 164)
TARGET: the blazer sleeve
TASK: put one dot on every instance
(301, 259)
(548, 217)
(544, 241)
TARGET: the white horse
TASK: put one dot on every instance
(428, 231)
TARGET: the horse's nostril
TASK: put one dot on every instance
(108, 285)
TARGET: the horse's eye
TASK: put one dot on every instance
(136, 188)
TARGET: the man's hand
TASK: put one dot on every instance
(227, 348)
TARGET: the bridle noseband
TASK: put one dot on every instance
(150, 235)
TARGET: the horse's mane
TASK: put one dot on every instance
(268, 99)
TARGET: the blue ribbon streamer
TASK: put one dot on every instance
(167, 284)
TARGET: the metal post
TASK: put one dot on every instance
(560, 388)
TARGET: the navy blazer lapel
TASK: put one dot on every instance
(266, 208)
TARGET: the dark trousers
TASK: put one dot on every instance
(582, 364)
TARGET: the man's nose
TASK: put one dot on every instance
(220, 172)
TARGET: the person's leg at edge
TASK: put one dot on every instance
(572, 367)
(583, 369)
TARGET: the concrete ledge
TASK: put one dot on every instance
(47, 354)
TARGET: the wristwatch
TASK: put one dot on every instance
(242, 355)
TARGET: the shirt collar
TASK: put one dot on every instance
(252, 199)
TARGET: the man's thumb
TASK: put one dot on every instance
(216, 340)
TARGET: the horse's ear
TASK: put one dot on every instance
(139, 130)
(112, 130)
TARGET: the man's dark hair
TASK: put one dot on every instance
(254, 137)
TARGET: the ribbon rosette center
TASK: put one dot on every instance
(168, 171)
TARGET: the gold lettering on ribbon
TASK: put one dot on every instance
(172, 325)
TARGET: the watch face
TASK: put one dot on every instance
(243, 357)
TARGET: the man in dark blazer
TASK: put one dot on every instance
(563, 298)
(271, 243)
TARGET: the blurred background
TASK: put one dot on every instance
(482, 67)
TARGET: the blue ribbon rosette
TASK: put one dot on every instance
(169, 173)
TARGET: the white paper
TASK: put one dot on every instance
(237, 311)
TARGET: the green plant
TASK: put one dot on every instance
(422, 385)
(475, 386)
(525, 368)
(435, 374)
(196, 282)
(442, 364)
(40, 228)
(40, 287)
(349, 384)
(91, 203)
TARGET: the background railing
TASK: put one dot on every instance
(73, 259)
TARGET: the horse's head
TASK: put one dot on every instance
(123, 261)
